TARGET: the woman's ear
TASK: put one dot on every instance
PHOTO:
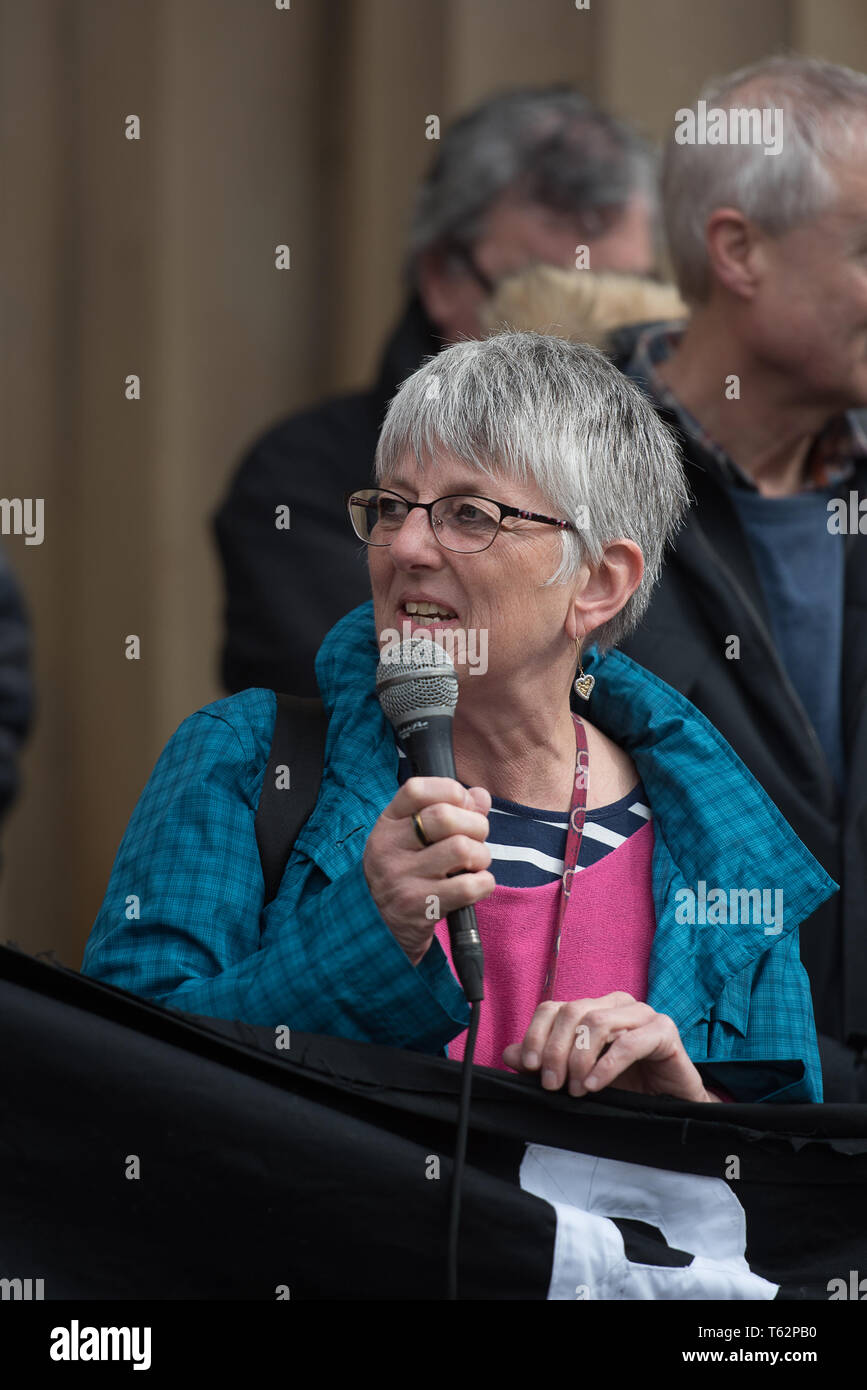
(609, 586)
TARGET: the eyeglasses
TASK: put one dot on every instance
(463, 523)
(465, 256)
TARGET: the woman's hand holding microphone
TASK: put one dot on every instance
(403, 874)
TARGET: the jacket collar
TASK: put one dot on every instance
(714, 825)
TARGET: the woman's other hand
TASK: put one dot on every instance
(612, 1041)
(404, 876)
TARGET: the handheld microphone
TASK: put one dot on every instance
(418, 692)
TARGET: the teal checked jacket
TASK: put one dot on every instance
(182, 922)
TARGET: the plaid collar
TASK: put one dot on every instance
(831, 459)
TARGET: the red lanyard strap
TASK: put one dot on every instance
(574, 834)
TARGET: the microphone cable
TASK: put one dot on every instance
(460, 1151)
(418, 691)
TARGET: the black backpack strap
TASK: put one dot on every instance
(298, 748)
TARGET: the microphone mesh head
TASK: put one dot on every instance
(417, 680)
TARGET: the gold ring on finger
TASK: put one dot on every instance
(420, 830)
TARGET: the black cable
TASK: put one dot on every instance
(460, 1150)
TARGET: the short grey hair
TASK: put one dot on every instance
(824, 110)
(534, 408)
(547, 145)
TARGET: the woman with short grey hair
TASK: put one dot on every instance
(627, 872)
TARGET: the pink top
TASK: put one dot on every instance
(607, 937)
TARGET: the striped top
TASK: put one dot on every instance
(528, 845)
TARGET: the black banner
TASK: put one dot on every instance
(149, 1155)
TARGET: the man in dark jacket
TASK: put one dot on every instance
(761, 614)
(536, 175)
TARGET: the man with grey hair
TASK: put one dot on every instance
(759, 618)
(530, 175)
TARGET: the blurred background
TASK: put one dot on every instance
(259, 127)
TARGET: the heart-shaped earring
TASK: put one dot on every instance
(583, 684)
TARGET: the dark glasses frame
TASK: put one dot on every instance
(357, 497)
(462, 253)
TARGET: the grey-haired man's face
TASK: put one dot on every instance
(520, 234)
(807, 318)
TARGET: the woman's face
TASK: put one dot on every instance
(496, 594)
